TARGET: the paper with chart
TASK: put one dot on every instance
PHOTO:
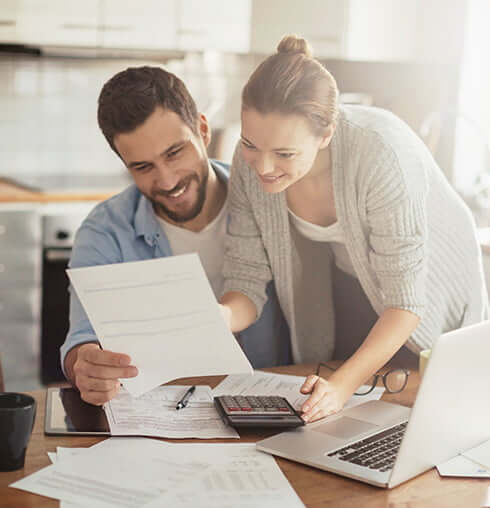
(132, 472)
(239, 476)
(153, 414)
(61, 453)
(163, 314)
(284, 385)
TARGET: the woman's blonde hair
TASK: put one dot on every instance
(291, 81)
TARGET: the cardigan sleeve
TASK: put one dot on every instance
(246, 265)
(396, 211)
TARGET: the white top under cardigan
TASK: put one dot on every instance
(411, 239)
(209, 243)
(332, 235)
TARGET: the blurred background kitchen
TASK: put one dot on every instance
(426, 60)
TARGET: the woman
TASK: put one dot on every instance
(324, 198)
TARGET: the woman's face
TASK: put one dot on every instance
(281, 148)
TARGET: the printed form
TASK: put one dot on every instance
(164, 315)
(153, 414)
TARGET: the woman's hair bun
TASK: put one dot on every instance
(294, 44)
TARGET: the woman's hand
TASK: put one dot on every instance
(326, 398)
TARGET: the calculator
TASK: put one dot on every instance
(257, 411)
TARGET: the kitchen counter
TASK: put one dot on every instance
(12, 192)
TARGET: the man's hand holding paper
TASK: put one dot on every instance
(97, 373)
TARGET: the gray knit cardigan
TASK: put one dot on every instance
(411, 239)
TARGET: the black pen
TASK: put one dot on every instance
(185, 399)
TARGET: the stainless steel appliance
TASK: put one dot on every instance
(20, 289)
(59, 228)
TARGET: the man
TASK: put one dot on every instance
(176, 205)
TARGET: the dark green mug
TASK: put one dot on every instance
(17, 415)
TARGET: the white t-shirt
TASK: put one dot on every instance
(209, 243)
(332, 234)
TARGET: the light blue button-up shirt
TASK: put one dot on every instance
(124, 228)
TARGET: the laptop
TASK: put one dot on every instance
(386, 444)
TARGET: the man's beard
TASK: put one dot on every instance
(192, 212)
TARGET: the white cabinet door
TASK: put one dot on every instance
(58, 22)
(9, 20)
(382, 30)
(321, 22)
(143, 24)
(215, 25)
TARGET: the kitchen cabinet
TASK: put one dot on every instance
(322, 22)
(49, 22)
(363, 30)
(189, 25)
(382, 30)
(214, 25)
(145, 24)
(369, 30)
(9, 19)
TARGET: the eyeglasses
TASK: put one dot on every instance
(394, 380)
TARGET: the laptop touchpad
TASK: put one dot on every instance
(345, 428)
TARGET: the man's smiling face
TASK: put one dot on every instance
(169, 163)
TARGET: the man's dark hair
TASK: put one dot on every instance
(132, 95)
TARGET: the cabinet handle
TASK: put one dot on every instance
(7, 22)
(119, 28)
(76, 26)
(3, 229)
(2, 268)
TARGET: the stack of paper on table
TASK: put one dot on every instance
(471, 463)
(153, 414)
(164, 315)
(134, 472)
(283, 385)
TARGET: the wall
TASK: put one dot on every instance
(410, 90)
(49, 108)
(49, 104)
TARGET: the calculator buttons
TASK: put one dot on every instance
(257, 411)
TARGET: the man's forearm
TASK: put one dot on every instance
(388, 335)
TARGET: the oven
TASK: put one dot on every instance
(57, 239)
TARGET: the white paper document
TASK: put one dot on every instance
(265, 383)
(153, 414)
(239, 477)
(479, 454)
(124, 472)
(134, 472)
(164, 315)
(461, 466)
(60, 454)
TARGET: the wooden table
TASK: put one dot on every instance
(316, 488)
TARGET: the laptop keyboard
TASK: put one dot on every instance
(375, 452)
